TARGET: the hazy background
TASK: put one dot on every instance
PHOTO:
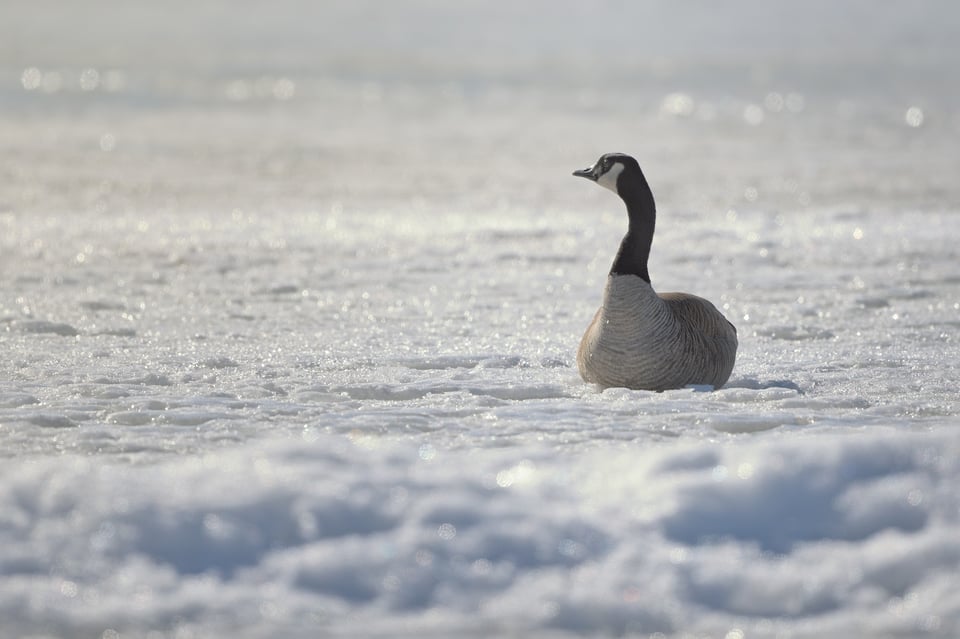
(351, 100)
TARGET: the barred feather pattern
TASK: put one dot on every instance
(639, 339)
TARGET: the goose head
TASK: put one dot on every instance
(614, 171)
(621, 174)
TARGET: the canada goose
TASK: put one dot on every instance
(640, 339)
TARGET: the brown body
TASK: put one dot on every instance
(639, 339)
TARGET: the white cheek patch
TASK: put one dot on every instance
(609, 179)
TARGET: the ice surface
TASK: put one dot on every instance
(289, 308)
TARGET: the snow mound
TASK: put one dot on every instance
(810, 535)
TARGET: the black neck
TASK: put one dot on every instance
(635, 248)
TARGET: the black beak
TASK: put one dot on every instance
(586, 173)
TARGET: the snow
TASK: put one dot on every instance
(288, 316)
(847, 533)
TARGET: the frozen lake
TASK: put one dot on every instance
(290, 299)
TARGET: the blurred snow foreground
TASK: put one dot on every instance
(288, 311)
(844, 533)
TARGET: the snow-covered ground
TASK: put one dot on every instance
(289, 301)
